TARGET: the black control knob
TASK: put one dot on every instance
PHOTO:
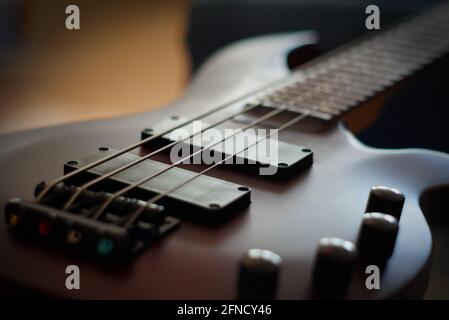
(377, 237)
(386, 200)
(334, 264)
(258, 275)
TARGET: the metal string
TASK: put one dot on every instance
(90, 183)
(109, 200)
(53, 183)
(135, 215)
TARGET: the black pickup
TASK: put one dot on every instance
(289, 159)
(107, 237)
(205, 199)
(110, 235)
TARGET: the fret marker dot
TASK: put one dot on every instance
(282, 165)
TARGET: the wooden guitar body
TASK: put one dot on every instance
(287, 217)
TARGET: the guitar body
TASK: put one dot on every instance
(287, 217)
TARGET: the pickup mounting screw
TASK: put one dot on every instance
(282, 165)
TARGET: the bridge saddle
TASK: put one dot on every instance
(74, 228)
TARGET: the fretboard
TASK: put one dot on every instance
(342, 80)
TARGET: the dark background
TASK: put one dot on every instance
(134, 56)
(415, 117)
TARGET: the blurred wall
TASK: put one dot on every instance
(128, 57)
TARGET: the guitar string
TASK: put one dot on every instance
(135, 215)
(156, 198)
(100, 161)
(133, 146)
(130, 187)
(122, 191)
(101, 178)
(90, 183)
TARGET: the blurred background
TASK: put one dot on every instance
(128, 57)
(133, 56)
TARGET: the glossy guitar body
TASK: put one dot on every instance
(289, 217)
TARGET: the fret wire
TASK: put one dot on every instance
(387, 65)
(410, 45)
(398, 55)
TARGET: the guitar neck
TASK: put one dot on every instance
(342, 80)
